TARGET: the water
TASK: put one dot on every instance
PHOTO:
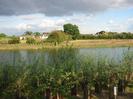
(60, 69)
(112, 53)
(31, 56)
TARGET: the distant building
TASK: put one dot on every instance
(44, 36)
(22, 37)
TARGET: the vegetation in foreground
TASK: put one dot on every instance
(64, 75)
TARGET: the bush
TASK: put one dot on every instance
(2, 35)
(14, 40)
(30, 41)
(3, 41)
(57, 37)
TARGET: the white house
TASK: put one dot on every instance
(44, 36)
(22, 37)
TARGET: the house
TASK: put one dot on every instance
(22, 38)
(44, 36)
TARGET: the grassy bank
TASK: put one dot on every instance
(102, 43)
(74, 43)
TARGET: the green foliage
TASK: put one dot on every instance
(2, 35)
(59, 72)
(101, 33)
(14, 40)
(57, 37)
(86, 36)
(37, 33)
(107, 35)
(71, 30)
(30, 41)
(4, 40)
(28, 33)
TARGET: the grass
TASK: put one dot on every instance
(102, 43)
(4, 40)
(74, 43)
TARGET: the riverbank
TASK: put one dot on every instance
(102, 43)
(75, 44)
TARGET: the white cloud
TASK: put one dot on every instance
(122, 26)
(87, 23)
(47, 23)
(130, 20)
(23, 26)
(31, 17)
(111, 21)
(51, 23)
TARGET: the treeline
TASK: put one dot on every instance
(65, 75)
(107, 35)
(69, 32)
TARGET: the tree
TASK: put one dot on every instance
(30, 41)
(101, 33)
(57, 37)
(87, 75)
(14, 40)
(28, 33)
(36, 33)
(2, 35)
(71, 30)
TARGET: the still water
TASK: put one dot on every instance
(31, 56)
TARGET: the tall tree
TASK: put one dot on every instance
(37, 33)
(72, 30)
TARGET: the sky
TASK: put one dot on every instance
(91, 16)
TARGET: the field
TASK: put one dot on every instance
(102, 43)
(74, 43)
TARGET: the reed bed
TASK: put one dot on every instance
(62, 74)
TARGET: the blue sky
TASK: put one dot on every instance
(114, 15)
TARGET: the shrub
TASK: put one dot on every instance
(57, 37)
(2, 35)
(30, 41)
(14, 40)
(3, 41)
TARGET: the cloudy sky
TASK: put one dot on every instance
(17, 16)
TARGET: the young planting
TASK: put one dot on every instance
(64, 74)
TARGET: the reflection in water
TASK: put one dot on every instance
(61, 70)
(31, 56)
